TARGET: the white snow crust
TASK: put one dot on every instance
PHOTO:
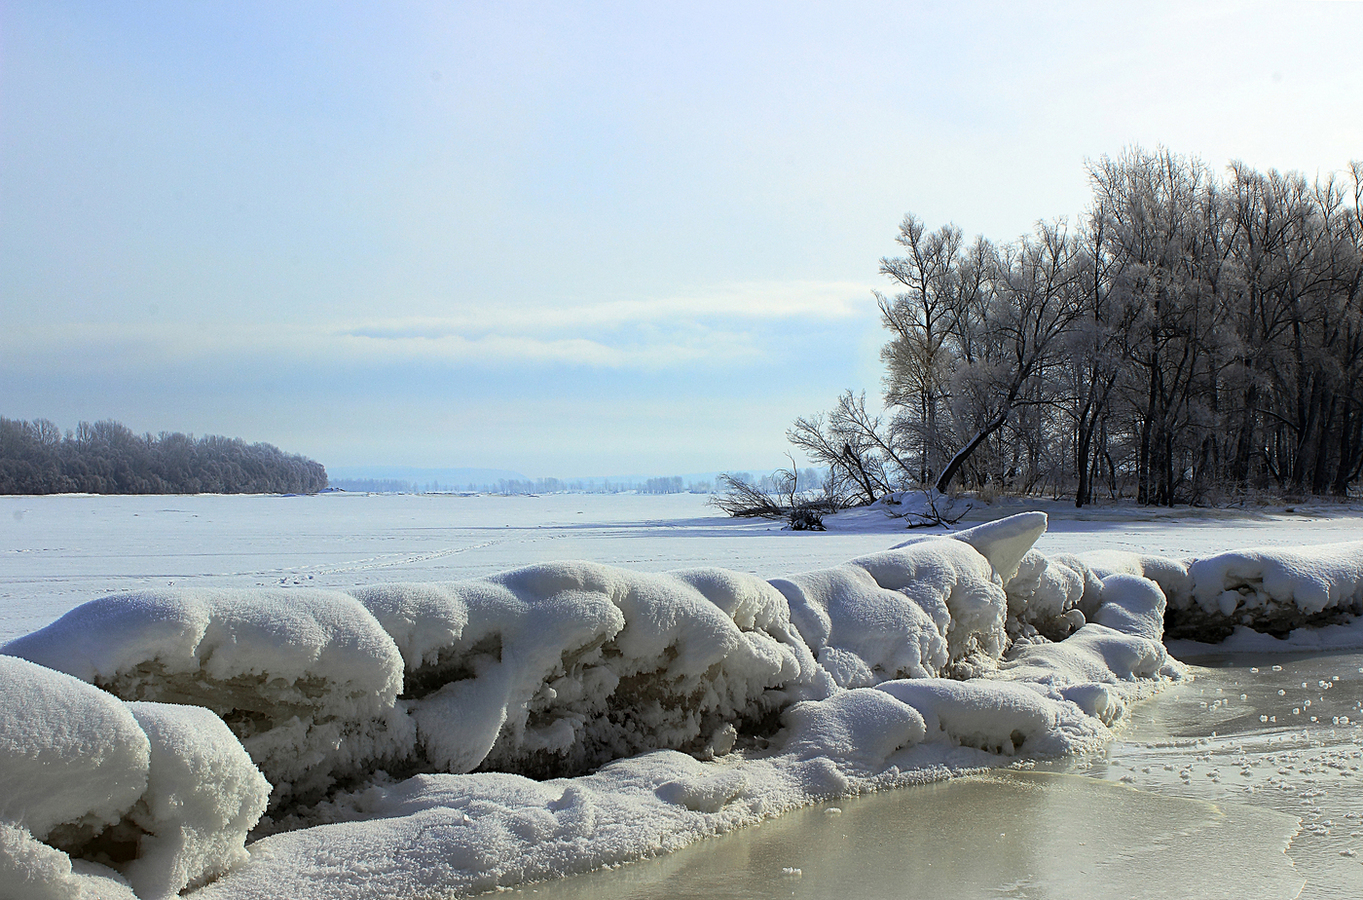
(453, 737)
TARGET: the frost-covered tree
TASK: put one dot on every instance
(1193, 337)
(106, 457)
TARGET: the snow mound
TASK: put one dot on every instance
(1270, 590)
(165, 794)
(860, 728)
(72, 758)
(32, 870)
(1170, 574)
(998, 717)
(1006, 541)
(1046, 596)
(203, 796)
(927, 609)
(559, 668)
(305, 679)
(1108, 663)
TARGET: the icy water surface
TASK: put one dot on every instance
(1271, 731)
(1003, 834)
(1219, 788)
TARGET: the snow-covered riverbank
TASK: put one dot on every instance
(784, 692)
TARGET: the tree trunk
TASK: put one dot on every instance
(963, 454)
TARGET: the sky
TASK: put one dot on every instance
(566, 239)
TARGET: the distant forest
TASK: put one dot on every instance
(106, 457)
(1192, 338)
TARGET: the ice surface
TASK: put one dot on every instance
(996, 835)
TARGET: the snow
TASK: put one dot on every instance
(204, 795)
(32, 870)
(89, 775)
(420, 737)
(73, 756)
(919, 611)
(559, 668)
(307, 679)
(1273, 590)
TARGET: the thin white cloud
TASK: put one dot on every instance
(725, 326)
(733, 303)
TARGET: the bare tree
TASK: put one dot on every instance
(1032, 301)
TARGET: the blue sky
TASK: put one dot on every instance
(563, 238)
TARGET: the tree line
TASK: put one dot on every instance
(1194, 338)
(106, 457)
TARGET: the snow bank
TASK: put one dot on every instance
(203, 797)
(32, 870)
(894, 668)
(471, 833)
(1108, 663)
(72, 758)
(165, 794)
(306, 679)
(556, 669)
(930, 606)
(1271, 590)
(1171, 575)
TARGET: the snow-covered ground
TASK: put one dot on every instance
(341, 635)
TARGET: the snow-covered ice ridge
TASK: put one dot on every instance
(387, 742)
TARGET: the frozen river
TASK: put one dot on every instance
(57, 552)
(1242, 783)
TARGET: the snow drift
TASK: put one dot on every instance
(556, 669)
(305, 679)
(101, 798)
(398, 729)
(1270, 590)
